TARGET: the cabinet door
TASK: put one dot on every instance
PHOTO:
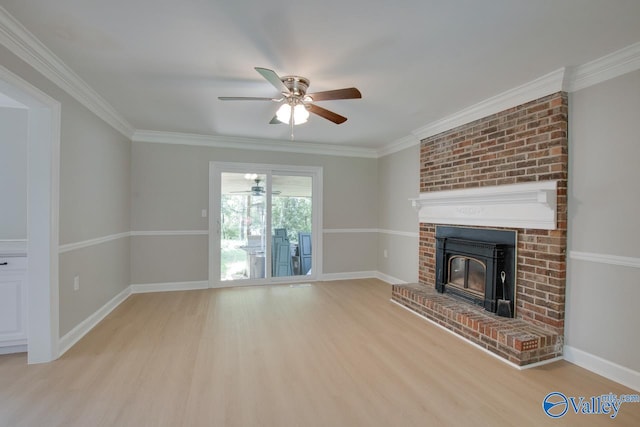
(12, 309)
(13, 301)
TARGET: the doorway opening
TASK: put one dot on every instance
(43, 189)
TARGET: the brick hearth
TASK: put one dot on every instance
(515, 340)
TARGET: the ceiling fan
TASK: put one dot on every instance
(296, 102)
(256, 190)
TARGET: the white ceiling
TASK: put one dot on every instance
(162, 63)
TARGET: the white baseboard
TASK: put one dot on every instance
(169, 286)
(74, 335)
(10, 349)
(389, 279)
(328, 277)
(600, 366)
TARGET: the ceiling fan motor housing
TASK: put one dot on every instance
(296, 84)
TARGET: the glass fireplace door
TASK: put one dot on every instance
(468, 274)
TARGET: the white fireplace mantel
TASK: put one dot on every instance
(526, 205)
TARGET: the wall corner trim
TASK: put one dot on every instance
(600, 366)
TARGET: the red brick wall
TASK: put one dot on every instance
(521, 144)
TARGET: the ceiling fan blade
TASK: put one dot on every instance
(329, 115)
(246, 98)
(347, 93)
(275, 121)
(273, 78)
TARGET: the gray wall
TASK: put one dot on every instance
(604, 149)
(13, 173)
(398, 181)
(95, 164)
(169, 189)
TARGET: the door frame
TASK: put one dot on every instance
(215, 171)
(43, 198)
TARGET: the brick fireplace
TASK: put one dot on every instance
(520, 147)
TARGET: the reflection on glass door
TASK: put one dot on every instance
(291, 225)
(243, 243)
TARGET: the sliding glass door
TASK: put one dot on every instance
(291, 224)
(243, 238)
(264, 223)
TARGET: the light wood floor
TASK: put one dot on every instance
(333, 354)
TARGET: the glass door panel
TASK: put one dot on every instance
(243, 237)
(476, 276)
(291, 225)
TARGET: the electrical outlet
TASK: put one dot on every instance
(204, 213)
(385, 253)
(76, 283)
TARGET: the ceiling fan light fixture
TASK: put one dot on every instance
(284, 113)
(300, 114)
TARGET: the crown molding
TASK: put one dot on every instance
(399, 145)
(608, 67)
(566, 79)
(15, 37)
(542, 86)
(240, 143)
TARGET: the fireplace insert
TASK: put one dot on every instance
(476, 265)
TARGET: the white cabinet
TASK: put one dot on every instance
(13, 304)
